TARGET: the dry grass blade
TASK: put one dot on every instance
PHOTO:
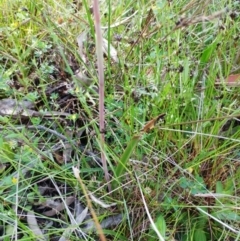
(69, 230)
(147, 211)
(150, 16)
(89, 203)
(185, 22)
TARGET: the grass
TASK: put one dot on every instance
(178, 181)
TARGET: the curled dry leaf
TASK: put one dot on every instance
(14, 107)
(112, 221)
(49, 203)
(2, 167)
(108, 222)
(78, 208)
(33, 225)
(58, 207)
(80, 217)
(82, 81)
(81, 38)
(112, 52)
(23, 108)
(101, 203)
(151, 124)
(70, 229)
(76, 172)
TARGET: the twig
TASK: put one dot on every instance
(145, 28)
(186, 22)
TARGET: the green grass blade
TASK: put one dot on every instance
(208, 52)
(121, 167)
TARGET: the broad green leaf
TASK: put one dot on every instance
(161, 225)
(226, 215)
(219, 187)
(122, 165)
(207, 52)
(6, 153)
(199, 235)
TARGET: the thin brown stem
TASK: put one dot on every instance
(99, 51)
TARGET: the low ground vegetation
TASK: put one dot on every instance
(179, 178)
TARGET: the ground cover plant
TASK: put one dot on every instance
(168, 127)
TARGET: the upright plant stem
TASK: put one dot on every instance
(99, 51)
